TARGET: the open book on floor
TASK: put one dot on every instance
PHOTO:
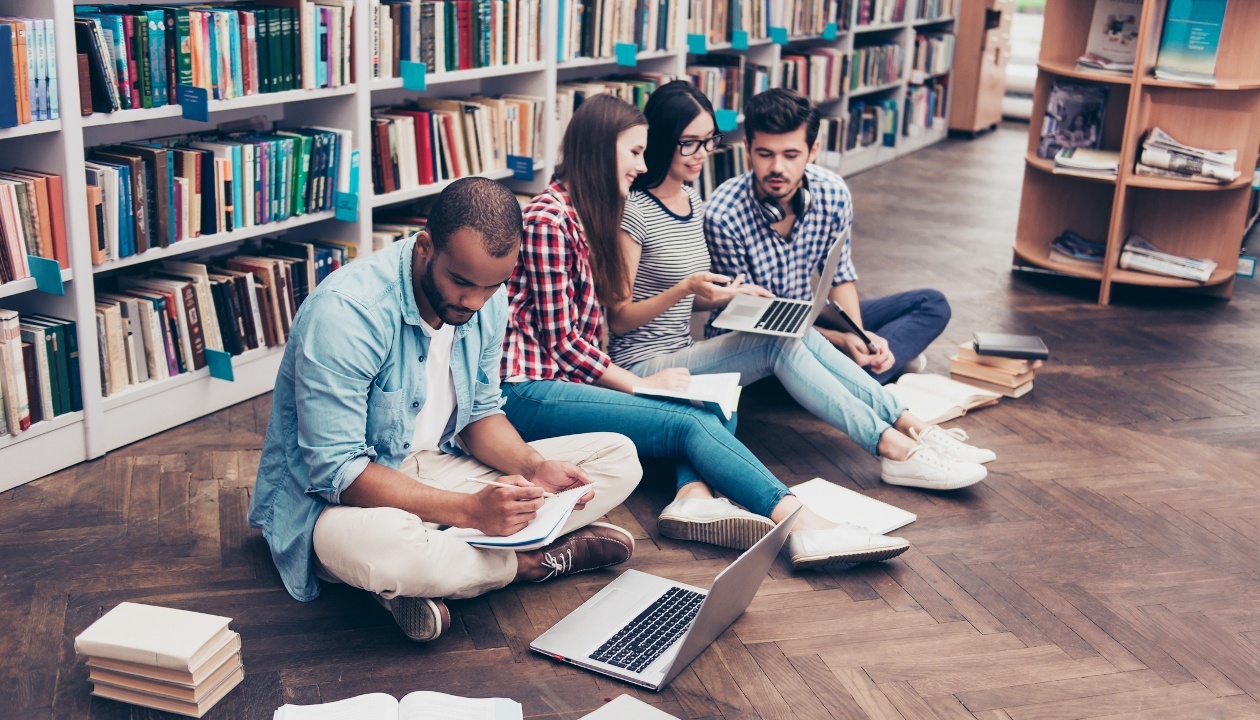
(936, 399)
(717, 392)
(544, 528)
(421, 705)
(842, 505)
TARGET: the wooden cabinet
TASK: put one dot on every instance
(983, 49)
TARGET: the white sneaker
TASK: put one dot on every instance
(716, 521)
(845, 544)
(917, 365)
(928, 468)
(953, 443)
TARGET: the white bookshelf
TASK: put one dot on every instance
(107, 423)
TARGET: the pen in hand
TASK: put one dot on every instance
(493, 483)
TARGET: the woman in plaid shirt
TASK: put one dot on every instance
(557, 376)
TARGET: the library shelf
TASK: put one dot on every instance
(856, 161)
(872, 89)
(583, 62)
(151, 407)
(929, 136)
(880, 28)
(457, 76)
(205, 242)
(1152, 81)
(1159, 183)
(1080, 270)
(920, 22)
(1070, 70)
(401, 196)
(39, 127)
(918, 77)
(1046, 165)
(17, 287)
(45, 448)
(247, 101)
(1132, 277)
(726, 45)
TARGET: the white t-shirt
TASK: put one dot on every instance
(439, 397)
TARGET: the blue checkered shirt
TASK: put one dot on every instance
(741, 240)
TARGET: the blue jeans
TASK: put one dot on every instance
(825, 381)
(550, 408)
(909, 321)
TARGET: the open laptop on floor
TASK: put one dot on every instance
(645, 629)
(777, 316)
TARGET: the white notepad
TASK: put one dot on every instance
(716, 392)
(544, 528)
(625, 707)
(421, 705)
(841, 505)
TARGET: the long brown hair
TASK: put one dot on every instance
(588, 170)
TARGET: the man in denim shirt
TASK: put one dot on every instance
(386, 413)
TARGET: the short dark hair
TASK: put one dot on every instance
(778, 111)
(669, 110)
(479, 204)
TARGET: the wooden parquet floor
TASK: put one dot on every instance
(1108, 568)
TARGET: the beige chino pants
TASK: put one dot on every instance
(393, 552)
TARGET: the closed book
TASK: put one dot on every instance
(997, 376)
(993, 387)
(1028, 347)
(85, 84)
(103, 93)
(967, 352)
(223, 654)
(154, 635)
(194, 694)
(1191, 38)
(173, 706)
(8, 78)
(56, 331)
(31, 370)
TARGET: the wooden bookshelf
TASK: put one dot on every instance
(1181, 217)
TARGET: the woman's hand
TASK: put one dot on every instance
(712, 290)
(676, 379)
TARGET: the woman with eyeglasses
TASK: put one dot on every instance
(666, 274)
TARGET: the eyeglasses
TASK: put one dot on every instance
(691, 147)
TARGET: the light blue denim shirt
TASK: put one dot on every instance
(350, 385)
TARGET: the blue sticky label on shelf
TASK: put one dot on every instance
(627, 54)
(1246, 266)
(779, 35)
(522, 167)
(697, 44)
(413, 75)
(194, 102)
(220, 364)
(739, 39)
(47, 274)
(727, 120)
(830, 31)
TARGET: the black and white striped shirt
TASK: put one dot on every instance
(673, 248)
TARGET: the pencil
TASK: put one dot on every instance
(493, 483)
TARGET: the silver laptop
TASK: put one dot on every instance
(645, 629)
(777, 316)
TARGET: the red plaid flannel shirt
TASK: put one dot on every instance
(555, 323)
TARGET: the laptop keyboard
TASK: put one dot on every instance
(783, 316)
(644, 638)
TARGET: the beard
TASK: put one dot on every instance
(448, 313)
(788, 190)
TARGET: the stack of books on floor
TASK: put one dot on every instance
(991, 363)
(1113, 35)
(32, 221)
(448, 36)
(162, 658)
(28, 72)
(39, 370)
(1162, 156)
(1087, 162)
(1140, 255)
(1073, 249)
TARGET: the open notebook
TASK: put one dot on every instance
(422, 705)
(840, 505)
(936, 399)
(544, 528)
(717, 392)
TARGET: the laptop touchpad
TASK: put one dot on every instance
(616, 604)
(741, 310)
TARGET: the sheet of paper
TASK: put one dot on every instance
(626, 707)
(374, 706)
(424, 705)
(840, 504)
(544, 528)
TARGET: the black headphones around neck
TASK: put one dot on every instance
(801, 202)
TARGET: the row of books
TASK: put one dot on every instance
(927, 106)
(39, 370)
(725, 162)
(454, 34)
(933, 9)
(876, 65)
(32, 221)
(831, 137)
(722, 79)
(1008, 376)
(28, 71)
(872, 124)
(880, 12)
(160, 192)
(159, 324)
(634, 89)
(715, 20)
(136, 56)
(435, 140)
(593, 29)
(821, 74)
(933, 55)
(810, 17)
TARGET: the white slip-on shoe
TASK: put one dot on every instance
(845, 544)
(926, 467)
(953, 443)
(716, 521)
(917, 365)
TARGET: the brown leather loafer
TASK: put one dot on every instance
(595, 546)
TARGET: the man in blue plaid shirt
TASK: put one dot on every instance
(774, 225)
